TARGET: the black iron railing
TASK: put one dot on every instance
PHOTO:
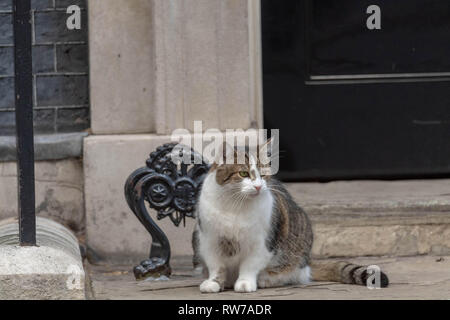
(24, 121)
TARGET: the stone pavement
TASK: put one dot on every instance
(419, 277)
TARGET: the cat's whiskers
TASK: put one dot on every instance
(235, 196)
(240, 198)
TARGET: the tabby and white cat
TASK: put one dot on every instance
(251, 234)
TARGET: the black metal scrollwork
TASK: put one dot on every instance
(170, 184)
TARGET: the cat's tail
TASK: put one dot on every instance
(344, 272)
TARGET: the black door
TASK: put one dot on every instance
(358, 93)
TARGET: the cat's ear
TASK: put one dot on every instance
(265, 157)
(266, 148)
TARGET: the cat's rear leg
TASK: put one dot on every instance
(284, 276)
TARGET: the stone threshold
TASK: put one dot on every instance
(46, 146)
(376, 218)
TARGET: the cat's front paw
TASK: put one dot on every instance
(244, 285)
(209, 286)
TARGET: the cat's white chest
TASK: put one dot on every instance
(220, 217)
(235, 222)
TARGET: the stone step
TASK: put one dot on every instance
(364, 218)
(406, 202)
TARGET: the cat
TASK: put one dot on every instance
(251, 234)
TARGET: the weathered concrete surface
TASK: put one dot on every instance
(59, 191)
(423, 277)
(51, 270)
(39, 273)
(356, 218)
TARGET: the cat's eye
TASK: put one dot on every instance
(244, 174)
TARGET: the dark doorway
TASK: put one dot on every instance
(353, 102)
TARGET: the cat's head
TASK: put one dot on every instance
(244, 177)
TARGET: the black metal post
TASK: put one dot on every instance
(24, 121)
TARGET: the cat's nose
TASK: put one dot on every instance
(258, 188)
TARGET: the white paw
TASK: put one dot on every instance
(209, 286)
(244, 285)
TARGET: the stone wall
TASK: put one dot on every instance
(158, 65)
(59, 192)
(60, 68)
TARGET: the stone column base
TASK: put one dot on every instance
(51, 270)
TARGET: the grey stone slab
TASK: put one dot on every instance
(72, 58)
(51, 27)
(5, 5)
(43, 59)
(44, 121)
(59, 192)
(62, 90)
(6, 28)
(6, 61)
(7, 123)
(47, 147)
(7, 93)
(41, 4)
(73, 119)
